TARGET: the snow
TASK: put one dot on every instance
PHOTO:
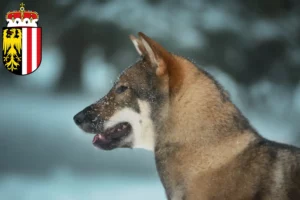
(63, 186)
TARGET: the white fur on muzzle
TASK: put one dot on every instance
(142, 125)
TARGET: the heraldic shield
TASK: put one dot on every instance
(22, 49)
(22, 41)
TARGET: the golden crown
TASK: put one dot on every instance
(22, 17)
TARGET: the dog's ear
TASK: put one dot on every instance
(154, 52)
(158, 56)
(138, 45)
(163, 62)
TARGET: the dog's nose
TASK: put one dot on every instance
(79, 118)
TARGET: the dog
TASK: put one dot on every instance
(204, 146)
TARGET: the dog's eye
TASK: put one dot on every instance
(121, 89)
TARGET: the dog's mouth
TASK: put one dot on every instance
(111, 137)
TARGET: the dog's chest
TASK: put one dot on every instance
(171, 178)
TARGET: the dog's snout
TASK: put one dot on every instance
(79, 118)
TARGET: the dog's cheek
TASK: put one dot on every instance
(123, 100)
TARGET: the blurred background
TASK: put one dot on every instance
(252, 47)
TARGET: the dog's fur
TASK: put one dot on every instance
(204, 147)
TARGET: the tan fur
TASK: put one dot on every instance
(199, 148)
(200, 153)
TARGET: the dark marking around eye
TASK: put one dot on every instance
(121, 89)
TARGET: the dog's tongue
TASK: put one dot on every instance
(98, 138)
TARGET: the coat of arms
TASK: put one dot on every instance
(22, 41)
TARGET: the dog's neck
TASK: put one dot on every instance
(201, 117)
(203, 130)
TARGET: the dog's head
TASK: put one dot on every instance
(132, 111)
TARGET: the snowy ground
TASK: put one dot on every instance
(64, 186)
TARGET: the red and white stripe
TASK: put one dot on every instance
(31, 49)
